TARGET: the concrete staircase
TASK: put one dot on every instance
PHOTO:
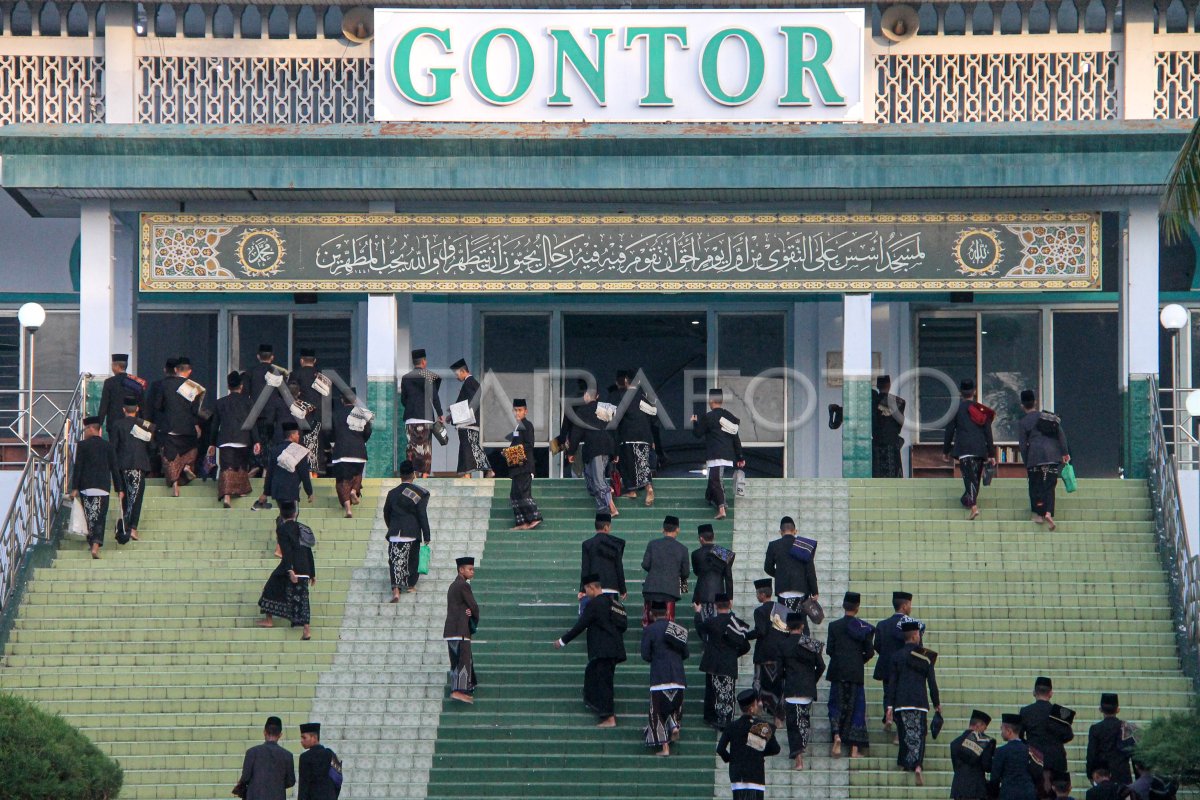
(1006, 600)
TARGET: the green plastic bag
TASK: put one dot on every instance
(423, 554)
(1068, 478)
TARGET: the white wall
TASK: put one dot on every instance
(37, 252)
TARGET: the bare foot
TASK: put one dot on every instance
(133, 534)
(974, 512)
(265, 623)
(854, 752)
(666, 751)
(489, 474)
(395, 597)
(799, 765)
(533, 524)
(920, 777)
(607, 722)
(175, 489)
(1038, 518)
(521, 527)
(629, 494)
(1050, 522)
(410, 590)
(278, 552)
(462, 697)
(836, 750)
(720, 512)
(896, 739)
(649, 496)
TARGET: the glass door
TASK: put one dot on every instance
(750, 369)
(515, 362)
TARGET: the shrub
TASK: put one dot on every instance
(44, 758)
(1170, 746)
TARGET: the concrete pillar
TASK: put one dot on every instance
(856, 386)
(1139, 328)
(1138, 75)
(120, 63)
(105, 321)
(381, 395)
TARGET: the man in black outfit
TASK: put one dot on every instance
(850, 646)
(886, 424)
(911, 688)
(745, 745)
(722, 447)
(179, 425)
(724, 638)
(713, 568)
(1109, 742)
(116, 388)
(349, 434)
(795, 580)
(971, 757)
(601, 556)
(268, 770)
(280, 484)
(969, 438)
(316, 763)
(889, 638)
(131, 437)
(605, 620)
(94, 476)
(1046, 731)
(768, 672)
(406, 514)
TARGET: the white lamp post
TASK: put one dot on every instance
(31, 316)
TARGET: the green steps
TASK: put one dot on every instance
(1006, 600)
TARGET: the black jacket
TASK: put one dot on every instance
(523, 435)
(419, 395)
(713, 576)
(296, 557)
(132, 453)
(1108, 790)
(790, 574)
(602, 555)
(229, 416)
(406, 512)
(305, 376)
(971, 758)
(724, 637)
(1048, 735)
(909, 678)
(281, 484)
(666, 565)
(1103, 750)
(150, 402)
(666, 663)
(1011, 772)
(746, 765)
(469, 391)
(605, 621)
(718, 445)
(314, 782)
(885, 423)
(112, 398)
(589, 430)
(851, 644)
(347, 443)
(888, 639)
(764, 635)
(96, 466)
(964, 438)
(175, 413)
(258, 379)
(634, 424)
(803, 665)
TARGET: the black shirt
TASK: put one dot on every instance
(406, 512)
(96, 466)
(132, 452)
(348, 443)
(602, 554)
(850, 646)
(605, 621)
(971, 758)
(886, 424)
(746, 765)
(790, 574)
(718, 444)
(724, 637)
(1048, 735)
(419, 395)
(713, 576)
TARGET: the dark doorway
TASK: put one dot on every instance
(1085, 389)
(664, 346)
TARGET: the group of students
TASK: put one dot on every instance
(268, 770)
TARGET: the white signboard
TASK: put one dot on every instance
(619, 66)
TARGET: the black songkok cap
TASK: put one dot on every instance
(901, 596)
(706, 528)
(1027, 396)
(852, 599)
(265, 349)
(591, 577)
(746, 697)
(120, 358)
(287, 508)
(418, 354)
(519, 402)
(622, 374)
(406, 467)
(721, 598)
(308, 352)
(172, 363)
(1011, 719)
(981, 717)
(234, 380)
(795, 619)
(910, 625)
(289, 426)
(763, 585)
(130, 402)
(883, 380)
(716, 394)
(1109, 702)
(88, 421)
(1043, 683)
(183, 361)
(658, 606)
(603, 516)
(787, 522)
(966, 385)
(670, 521)
(460, 364)
(465, 561)
(273, 721)
(311, 727)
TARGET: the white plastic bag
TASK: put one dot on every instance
(78, 526)
(739, 482)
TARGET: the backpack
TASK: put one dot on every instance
(335, 773)
(980, 414)
(1047, 424)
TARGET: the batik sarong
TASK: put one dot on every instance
(95, 511)
(768, 682)
(848, 713)
(348, 476)
(598, 686)
(719, 700)
(312, 440)
(971, 468)
(1042, 480)
(402, 564)
(911, 728)
(420, 447)
(799, 725)
(234, 476)
(179, 458)
(525, 510)
(282, 598)
(131, 509)
(885, 461)
(471, 455)
(666, 716)
(462, 666)
(635, 466)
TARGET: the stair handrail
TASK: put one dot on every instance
(1181, 565)
(39, 495)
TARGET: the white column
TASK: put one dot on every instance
(1139, 290)
(856, 336)
(125, 291)
(1138, 74)
(120, 64)
(382, 338)
(97, 290)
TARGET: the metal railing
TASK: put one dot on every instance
(43, 485)
(1181, 430)
(1181, 565)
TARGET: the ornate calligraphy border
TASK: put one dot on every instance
(220, 224)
